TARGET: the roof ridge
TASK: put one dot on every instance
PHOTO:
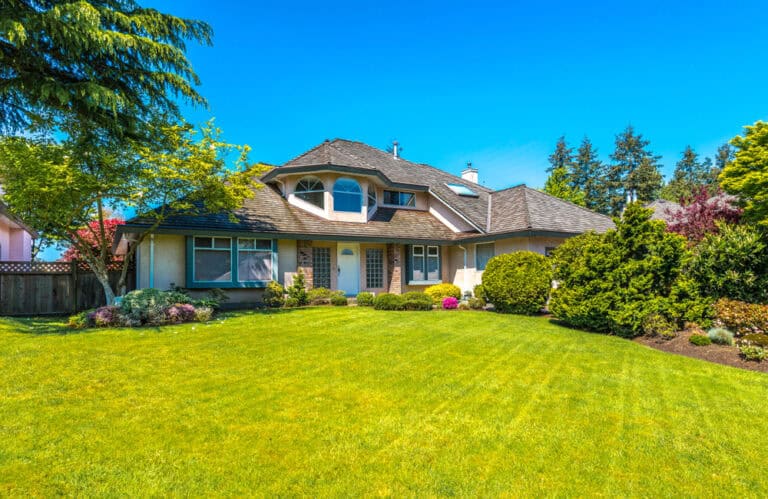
(510, 188)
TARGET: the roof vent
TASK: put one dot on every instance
(470, 173)
(394, 149)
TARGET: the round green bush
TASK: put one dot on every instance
(440, 291)
(416, 300)
(274, 295)
(319, 296)
(479, 292)
(751, 352)
(518, 283)
(365, 299)
(339, 300)
(700, 340)
(760, 340)
(389, 301)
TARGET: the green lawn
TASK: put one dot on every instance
(333, 401)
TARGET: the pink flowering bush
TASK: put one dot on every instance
(450, 303)
(180, 312)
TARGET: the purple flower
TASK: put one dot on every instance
(180, 312)
(450, 303)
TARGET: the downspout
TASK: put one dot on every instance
(464, 273)
(151, 260)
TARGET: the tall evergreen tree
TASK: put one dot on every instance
(559, 183)
(109, 63)
(690, 176)
(634, 173)
(725, 154)
(588, 176)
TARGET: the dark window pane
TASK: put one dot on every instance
(418, 268)
(254, 266)
(321, 267)
(203, 242)
(433, 268)
(316, 198)
(483, 253)
(311, 190)
(222, 243)
(213, 266)
(347, 202)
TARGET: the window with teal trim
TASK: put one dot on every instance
(254, 260)
(483, 253)
(212, 259)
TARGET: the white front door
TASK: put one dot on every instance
(348, 263)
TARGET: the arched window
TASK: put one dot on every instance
(371, 197)
(347, 195)
(311, 190)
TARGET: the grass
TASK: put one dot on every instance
(350, 401)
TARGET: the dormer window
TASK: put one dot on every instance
(311, 190)
(347, 195)
(399, 198)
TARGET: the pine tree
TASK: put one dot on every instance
(558, 183)
(588, 176)
(690, 176)
(109, 63)
(634, 173)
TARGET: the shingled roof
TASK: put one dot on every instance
(513, 210)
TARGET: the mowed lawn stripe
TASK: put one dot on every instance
(350, 401)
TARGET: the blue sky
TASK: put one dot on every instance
(492, 82)
(495, 83)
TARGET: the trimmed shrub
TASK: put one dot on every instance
(440, 291)
(298, 290)
(319, 296)
(180, 312)
(479, 292)
(740, 317)
(450, 303)
(700, 340)
(148, 306)
(658, 325)
(416, 300)
(365, 299)
(338, 299)
(758, 340)
(464, 306)
(291, 302)
(518, 282)
(476, 303)
(389, 301)
(203, 314)
(81, 320)
(732, 264)
(750, 352)
(720, 336)
(274, 295)
(612, 282)
(213, 299)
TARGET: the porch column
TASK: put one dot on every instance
(395, 268)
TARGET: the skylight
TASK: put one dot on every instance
(462, 190)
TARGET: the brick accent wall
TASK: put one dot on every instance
(395, 268)
(304, 261)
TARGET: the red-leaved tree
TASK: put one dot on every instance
(96, 234)
(699, 214)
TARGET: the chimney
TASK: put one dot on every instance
(394, 149)
(469, 174)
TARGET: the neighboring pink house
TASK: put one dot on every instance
(15, 238)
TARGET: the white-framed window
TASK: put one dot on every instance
(424, 263)
(311, 190)
(212, 259)
(347, 195)
(254, 259)
(483, 253)
(400, 198)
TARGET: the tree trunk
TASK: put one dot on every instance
(102, 274)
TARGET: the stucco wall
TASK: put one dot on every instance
(286, 261)
(15, 243)
(448, 217)
(5, 235)
(170, 258)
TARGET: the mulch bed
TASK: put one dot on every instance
(721, 354)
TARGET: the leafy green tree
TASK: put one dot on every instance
(634, 174)
(690, 175)
(109, 63)
(588, 176)
(62, 188)
(558, 183)
(747, 175)
(615, 282)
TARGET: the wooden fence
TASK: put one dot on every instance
(49, 288)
